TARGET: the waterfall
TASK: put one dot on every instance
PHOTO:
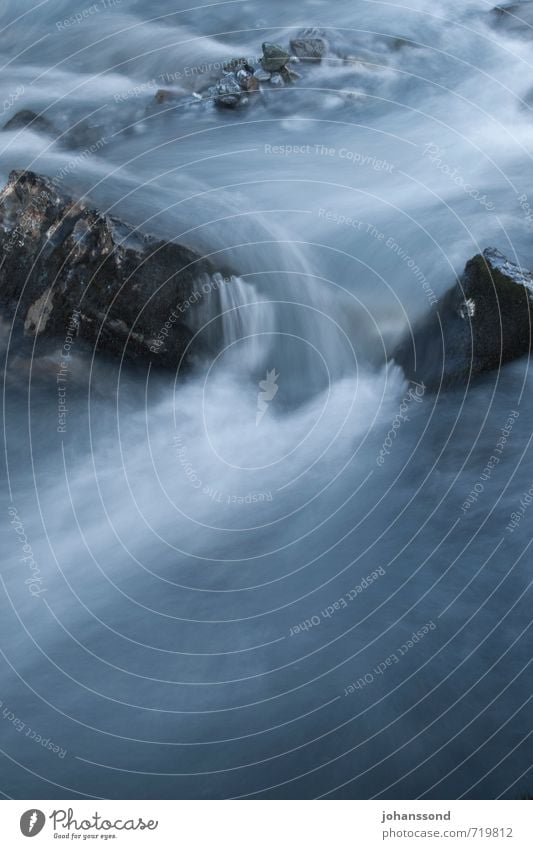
(234, 320)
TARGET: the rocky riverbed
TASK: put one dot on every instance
(303, 570)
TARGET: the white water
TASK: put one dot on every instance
(177, 540)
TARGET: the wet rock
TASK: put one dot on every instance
(288, 75)
(228, 91)
(484, 321)
(247, 81)
(29, 119)
(277, 81)
(61, 258)
(309, 45)
(274, 57)
(261, 75)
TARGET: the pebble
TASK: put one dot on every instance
(262, 76)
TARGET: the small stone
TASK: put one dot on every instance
(237, 65)
(289, 75)
(262, 76)
(229, 100)
(274, 57)
(277, 80)
(247, 81)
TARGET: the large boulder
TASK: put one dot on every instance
(129, 292)
(485, 320)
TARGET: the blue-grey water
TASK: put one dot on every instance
(206, 594)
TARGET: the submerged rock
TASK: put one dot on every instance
(517, 18)
(400, 42)
(309, 45)
(129, 292)
(290, 75)
(484, 321)
(276, 80)
(29, 119)
(165, 95)
(82, 134)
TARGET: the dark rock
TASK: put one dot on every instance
(29, 119)
(274, 57)
(485, 320)
(84, 135)
(228, 91)
(309, 45)
(164, 95)
(61, 258)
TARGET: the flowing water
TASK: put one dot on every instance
(224, 571)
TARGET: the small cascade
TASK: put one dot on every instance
(233, 319)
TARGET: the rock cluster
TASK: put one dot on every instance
(273, 69)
